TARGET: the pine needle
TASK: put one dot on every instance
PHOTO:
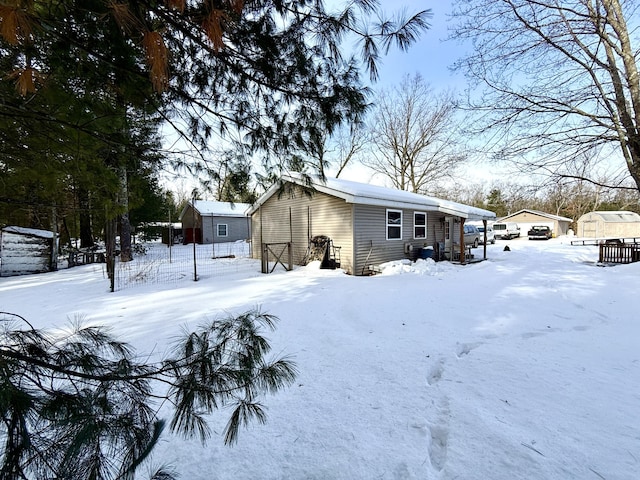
(25, 80)
(14, 24)
(237, 6)
(178, 5)
(212, 26)
(530, 447)
(158, 60)
(123, 16)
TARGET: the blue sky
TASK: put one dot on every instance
(431, 56)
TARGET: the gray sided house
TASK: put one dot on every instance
(26, 250)
(619, 224)
(528, 218)
(215, 222)
(368, 224)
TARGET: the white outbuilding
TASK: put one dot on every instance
(614, 224)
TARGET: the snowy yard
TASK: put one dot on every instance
(525, 366)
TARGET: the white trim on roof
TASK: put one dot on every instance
(365, 194)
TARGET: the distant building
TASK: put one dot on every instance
(603, 224)
(528, 218)
(215, 222)
(26, 250)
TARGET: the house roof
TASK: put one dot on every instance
(537, 212)
(28, 231)
(207, 208)
(366, 194)
(622, 216)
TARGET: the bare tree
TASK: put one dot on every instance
(349, 143)
(558, 77)
(414, 135)
(338, 150)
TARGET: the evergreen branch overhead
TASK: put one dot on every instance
(81, 405)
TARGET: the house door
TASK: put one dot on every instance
(449, 232)
(590, 229)
(189, 235)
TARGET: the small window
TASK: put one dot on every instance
(419, 225)
(394, 224)
(222, 229)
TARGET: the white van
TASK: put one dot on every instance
(506, 230)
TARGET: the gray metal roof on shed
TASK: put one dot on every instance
(366, 194)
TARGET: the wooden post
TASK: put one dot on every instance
(484, 254)
(463, 256)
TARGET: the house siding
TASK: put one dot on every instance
(297, 217)
(288, 214)
(372, 246)
(237, 227)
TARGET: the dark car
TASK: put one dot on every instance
(539, 232)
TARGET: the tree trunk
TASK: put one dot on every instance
(86, 236)
(53, 264)
(125, 226)
(110, 244)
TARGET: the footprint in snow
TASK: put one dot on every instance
(439, 436)
(465, 348)
(435, 374)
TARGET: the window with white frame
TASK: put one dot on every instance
(394, 224)
(419, 225)
(222, 229)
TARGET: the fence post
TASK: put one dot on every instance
(264, 258)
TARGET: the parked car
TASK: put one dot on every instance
(490, 236)
(472, 235)
(539, 232)
(506, 230)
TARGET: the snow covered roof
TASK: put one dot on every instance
(366, 194)
(538, 212)
(29, 231)
(617, 216)
(207, 208)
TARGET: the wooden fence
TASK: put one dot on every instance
(277, 251)
(619, 252)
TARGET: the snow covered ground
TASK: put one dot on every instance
(525, 366)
